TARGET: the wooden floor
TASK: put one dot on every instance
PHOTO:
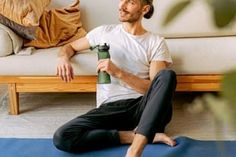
(199, 125)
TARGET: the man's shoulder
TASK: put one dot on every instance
(155, 38)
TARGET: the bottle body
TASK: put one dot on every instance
(103, 53)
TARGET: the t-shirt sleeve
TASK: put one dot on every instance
(94, 36)
(161, 52)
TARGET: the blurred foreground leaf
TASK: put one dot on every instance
(224, 12)
(229, 87)
(221, 108)
(175, 10)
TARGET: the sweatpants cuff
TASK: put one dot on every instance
(150, 136)
(115, 137)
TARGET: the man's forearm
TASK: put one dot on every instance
(135, 82)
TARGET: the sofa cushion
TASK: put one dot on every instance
(190, 56)
(5, 43)
(214, 55)
(16, 42)
(58, 27)
(42, 62)
(23, 12)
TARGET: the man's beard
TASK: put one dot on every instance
(132, 18)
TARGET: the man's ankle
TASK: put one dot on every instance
(126, 137)
(137, 146)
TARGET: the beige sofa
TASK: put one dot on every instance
(201, 53)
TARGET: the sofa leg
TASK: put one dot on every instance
(13, 99)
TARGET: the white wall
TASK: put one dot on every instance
(194, 21)
(97, 12)
(93, 12)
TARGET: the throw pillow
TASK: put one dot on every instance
(58, 27)
(5, 44)
(23, 31)
(23, 12)
(16, 42)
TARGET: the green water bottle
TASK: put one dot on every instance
(103, 53)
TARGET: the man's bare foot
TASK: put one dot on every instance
(163, 138)
(127, 137)
(139, 141)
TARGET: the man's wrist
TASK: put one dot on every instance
(63, 58)
(120, 74)
(67, 52)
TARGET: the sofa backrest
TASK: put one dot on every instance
(194, 21)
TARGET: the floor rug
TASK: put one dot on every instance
(186, 147)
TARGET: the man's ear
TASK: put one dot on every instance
(146, 8)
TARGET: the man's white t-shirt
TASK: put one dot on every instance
(129, 52)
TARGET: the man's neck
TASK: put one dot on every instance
(134, 28)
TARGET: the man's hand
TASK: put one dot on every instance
(139, 84)
(109, 67)
(64, 69)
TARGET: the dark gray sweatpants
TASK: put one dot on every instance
(99, 127)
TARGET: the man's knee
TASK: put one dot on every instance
(168, 74)
(165, 78)
(62, 141)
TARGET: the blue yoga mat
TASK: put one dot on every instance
(186, 147)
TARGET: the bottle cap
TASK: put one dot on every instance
(103, 47)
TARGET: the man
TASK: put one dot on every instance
(135, 108)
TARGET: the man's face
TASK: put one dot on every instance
(130, 10)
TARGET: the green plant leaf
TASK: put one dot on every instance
(229, 87)
(175, 10)
(224, 12)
